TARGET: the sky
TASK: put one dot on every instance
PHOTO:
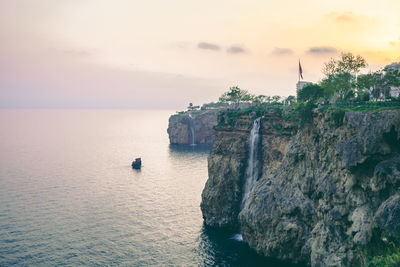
(165, 54)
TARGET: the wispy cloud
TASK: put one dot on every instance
(355, 22)
(236, 49)
(208, 46)
(348, 17)
(77, 53)
(278, 51)
(321, 50)
(395, 43)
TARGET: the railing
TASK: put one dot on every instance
(369, 104)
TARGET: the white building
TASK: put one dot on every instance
(394, 91)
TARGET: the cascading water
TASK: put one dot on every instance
(252, 164)
(252, 170)
(191, 127)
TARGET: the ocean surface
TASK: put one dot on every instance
(68, 195)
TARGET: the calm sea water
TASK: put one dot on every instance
(68, 195)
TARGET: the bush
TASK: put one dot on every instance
(338, 116)
(304, 113)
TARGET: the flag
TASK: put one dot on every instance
(300, 71)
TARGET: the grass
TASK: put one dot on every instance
(302, 112)
(389, 258)
(370, 109)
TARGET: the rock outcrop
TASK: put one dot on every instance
(222, 195)
(193, 127)
(323, 192)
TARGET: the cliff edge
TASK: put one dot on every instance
(324, 193)
(191, 128)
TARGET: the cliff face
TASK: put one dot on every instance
(323, 192)
(222, 195)
(197, 127)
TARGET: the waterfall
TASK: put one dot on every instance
(191, 127)
(252, 171)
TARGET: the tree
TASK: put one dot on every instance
(275, 99)
(348, 63)
(379, 83)
(257, 100)
(235, 96)
(191, 107)
(341, 75)
(289, 100)
(310, 93)
(392, 77)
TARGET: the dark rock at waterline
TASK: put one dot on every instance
(137, 164)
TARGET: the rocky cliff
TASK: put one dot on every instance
(193, 127)
(325, 192)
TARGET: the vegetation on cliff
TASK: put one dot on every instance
(328, 193)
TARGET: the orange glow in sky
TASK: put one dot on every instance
(164, 54)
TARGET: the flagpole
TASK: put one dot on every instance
(299, 70)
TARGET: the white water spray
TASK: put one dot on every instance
(252, 164)
(191, 127)
(252, 171)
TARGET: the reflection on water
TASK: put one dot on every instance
(68, 193)
(198, 149)
(217, 247)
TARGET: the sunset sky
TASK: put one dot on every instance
(165, 54)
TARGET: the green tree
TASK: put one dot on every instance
(275, 99)
(391, 78)
(347, 63)
(235, 96)
(340, 84)
(289, 100)
(379, 83)
(341, 76)
(258, 100)
(191, 107)
(310, 93)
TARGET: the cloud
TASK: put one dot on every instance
(208, 46)
(282, 51)
(347, 20)
(395, 43)
(347, 17)
(236, 49)
(321, 50)
(77, 53)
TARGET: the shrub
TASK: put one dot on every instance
(338, 116)
(303, 113)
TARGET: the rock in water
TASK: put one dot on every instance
(137, 164)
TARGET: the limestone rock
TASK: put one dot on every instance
(387, 217)
(203, 122)
(321, 191)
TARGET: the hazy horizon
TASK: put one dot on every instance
(163, 55)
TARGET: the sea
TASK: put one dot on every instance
(69, 196)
